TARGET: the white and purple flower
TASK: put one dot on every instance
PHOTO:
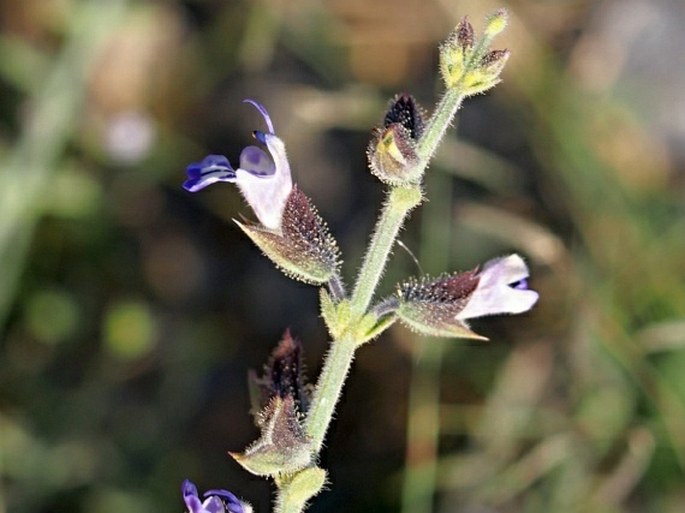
(290, 231)
(442, 306)
(263, 179)
(215, 501)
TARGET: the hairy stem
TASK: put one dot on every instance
(438, 125)
(337, 365)
(400, 201)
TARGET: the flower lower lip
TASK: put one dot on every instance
(214, 169)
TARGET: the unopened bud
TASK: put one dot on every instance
(406, 111)
(486, 75)
(496, 23)
(453, 58)
(461, 64)
(465, 33)
(283, 377)
(495, 60)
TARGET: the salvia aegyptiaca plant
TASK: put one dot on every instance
(291, 415)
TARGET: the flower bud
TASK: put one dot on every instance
(496, 23)
(392, 150)
(493, 62)
(453, 60)
(486, 75)
(468, 66)
(404, 109)
(283, 376)
(464, 34)
(303, 248)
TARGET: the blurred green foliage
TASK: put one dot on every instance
(130, 311)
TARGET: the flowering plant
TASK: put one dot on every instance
(292, 417)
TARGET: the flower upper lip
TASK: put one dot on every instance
(263, 112)
(263, 179)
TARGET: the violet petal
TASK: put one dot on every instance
(256, 162)
(212, 169)
(190, 497)
(263, 112)
(231, 501)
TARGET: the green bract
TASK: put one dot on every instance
(431, 305)
(283, 447)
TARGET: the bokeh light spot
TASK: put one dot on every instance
(129, 329)
(51, 316)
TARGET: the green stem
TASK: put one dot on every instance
(398, 205)
(437, 126)
(400, 201)
(338, 361)
(337, 365)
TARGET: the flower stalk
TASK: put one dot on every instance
(294, 423)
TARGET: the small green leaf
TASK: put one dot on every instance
(335, 315)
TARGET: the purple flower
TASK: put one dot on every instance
(502, 289)
(263, 179)
(216, 501)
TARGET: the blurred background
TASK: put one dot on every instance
(130, 310)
